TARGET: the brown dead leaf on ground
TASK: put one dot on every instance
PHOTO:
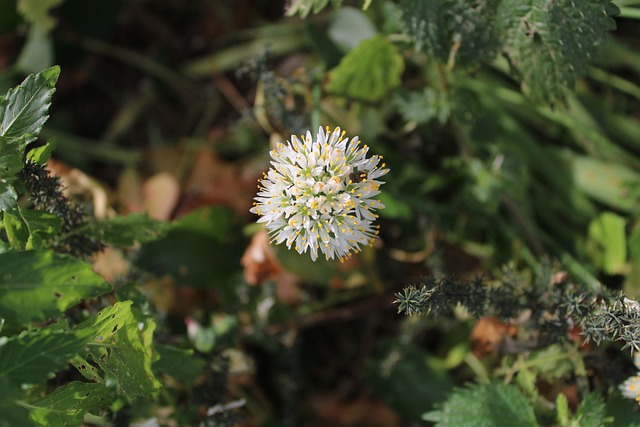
(160, 194)
(110, 264)
(487, 335)
(259, 260)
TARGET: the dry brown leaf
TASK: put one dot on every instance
(161, 193)
(259, 260)
(487, 335)
(110, 264)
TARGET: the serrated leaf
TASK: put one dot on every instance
(126, 230)
(369, 71)
(67, 405)
(38, 12)
(35, 356)
(37, 284)
(180, 364)
(123, 348)
(591, 411)
(485, 405)
(13, 415)
(549, 44)
(454, 31)
(24, 110)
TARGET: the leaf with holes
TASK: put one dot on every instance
(35, 285)
(123, 348)
(68, 404)
(35, 356)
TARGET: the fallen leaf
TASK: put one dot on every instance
(160, 194)
(259, 260)
(487, 335)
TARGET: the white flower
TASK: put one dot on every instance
(631, 387)
(319, 195)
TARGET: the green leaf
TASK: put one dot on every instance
(41, 154)
(123, 348)
(11, 152)
(13, 415)
(38, 284)
(549, 44)
(8, 197)
(180, 364)
(37, 52)
(591, 411)
(126, 230)
(41, 226)
(24, 110)
(369, 71)
(454, 31)
(608, 242)
(348, 27)
(35, 356)
(67, 405)
(562, 409)
(37, 12)
(484, 405)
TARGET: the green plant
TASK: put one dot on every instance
(105, 347)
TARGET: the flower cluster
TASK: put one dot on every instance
(631, 387)
(318, 195)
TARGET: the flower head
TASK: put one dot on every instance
(319, 194)
(630, 388)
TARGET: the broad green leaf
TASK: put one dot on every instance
(123, 348)
(37, 284)
(24, 110)
(13, 415)
(550, 44)
(86, 369)
(67, 405)
(180, 364)
(454, 31)
(16, 230)
(35, 356)
(38, 12)
(126, 230)
(369, 71)
(484, 405)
